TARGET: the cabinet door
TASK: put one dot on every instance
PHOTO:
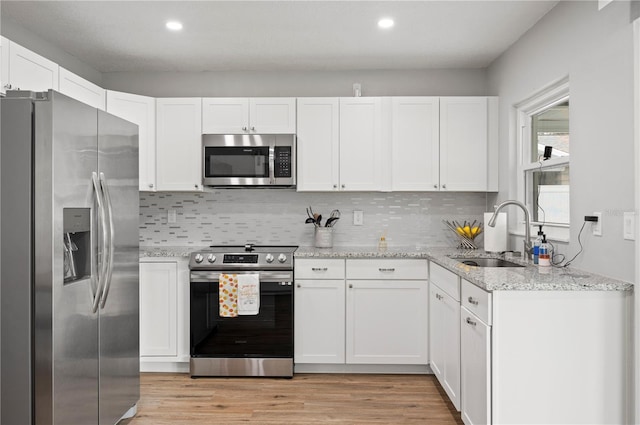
(225, 115)
(272, 115)
(475, 346)
(140, 110)
(30, 71)
(387, 322)
(360, 143)
(319, 321)
(179, 144)
(80, 89)
(318, 144)
(158, 309)
(415, 139)
(4, 64)
(463, 143)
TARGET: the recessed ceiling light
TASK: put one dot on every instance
(174, 25)
(385, 23)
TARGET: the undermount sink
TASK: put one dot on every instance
(487, 262)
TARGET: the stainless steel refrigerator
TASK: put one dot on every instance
(69, 262)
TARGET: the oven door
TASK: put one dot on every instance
(269, 334)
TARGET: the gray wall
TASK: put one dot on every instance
(595, 49)
(436, 82)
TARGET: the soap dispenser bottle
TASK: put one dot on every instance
(382, 243)
(544, 253)
(536, 246)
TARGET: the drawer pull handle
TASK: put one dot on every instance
(470, 322)
(387, 270)
(299, 286)
(472, 301)
(319, 269)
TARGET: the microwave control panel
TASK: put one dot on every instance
(282, 161)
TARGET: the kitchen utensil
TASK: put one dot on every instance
(310, 220)
(319, 220)
(330, 222)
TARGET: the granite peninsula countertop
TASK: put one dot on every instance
(528, 278)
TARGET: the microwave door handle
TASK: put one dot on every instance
(272, 164)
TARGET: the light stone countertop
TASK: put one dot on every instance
(529, 278)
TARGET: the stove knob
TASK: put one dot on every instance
(282, 258)
(198, 258)
(269, 258)
(211, 258)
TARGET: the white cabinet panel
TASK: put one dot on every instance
(415, 141)
(80, 89)
(319, 269)
(463, 143)
(444, 325)
(140, 110)
(387, 322)
(475, 373)
(158, 309)
(4, 64)
(319, 321)
(179, 144)
(231, 115)
(361, 144)
(30, 71)
(318, 144)
(387, 269)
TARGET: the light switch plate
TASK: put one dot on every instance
(358, 218)
(629, 232)
(597, 227)
(171, 216)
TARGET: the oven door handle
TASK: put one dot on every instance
(264, 276)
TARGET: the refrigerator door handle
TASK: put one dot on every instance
(103, 218)
(109, 269)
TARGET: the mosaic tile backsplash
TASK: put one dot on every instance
(276, 216)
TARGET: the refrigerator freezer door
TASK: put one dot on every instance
(119, 306)
(66, 329)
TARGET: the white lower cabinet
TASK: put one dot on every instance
(378, 316)
(475, 373)
(164, 316)
(444, 339)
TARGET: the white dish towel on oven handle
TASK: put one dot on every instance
(248, 294)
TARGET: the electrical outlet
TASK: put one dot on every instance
(171, 216)
(358, 218)
(629, 232)
(597, 227)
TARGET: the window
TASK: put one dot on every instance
(544, 150)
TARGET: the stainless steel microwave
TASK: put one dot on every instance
(249, 160)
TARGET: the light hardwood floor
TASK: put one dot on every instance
(306, 399)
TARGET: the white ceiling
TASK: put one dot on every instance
(279, 35)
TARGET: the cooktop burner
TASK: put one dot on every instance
(243, 257)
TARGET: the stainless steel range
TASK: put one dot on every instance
(228, 342)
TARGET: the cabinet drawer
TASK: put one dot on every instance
(387, 269)
(477, 301)
(319, 269)
(448, 281)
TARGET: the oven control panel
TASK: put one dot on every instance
(240, 258)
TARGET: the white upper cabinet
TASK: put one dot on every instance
(80, 89)
(415, 136)
(268, 115)
(466, 143)
(139, 110)
(179, 144)
(4, 64)
(30, 71)
(361, 144)
(318, 144)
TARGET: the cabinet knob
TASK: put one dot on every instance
(298, 286)
(335, 186)
(444, 186)
(7, 86)
(343, 186)
(350, 286)
(470, 322)
(197, 185)
(244, 128)
(150, 185)
(435, 186)
(253, 128)
(472, 301)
